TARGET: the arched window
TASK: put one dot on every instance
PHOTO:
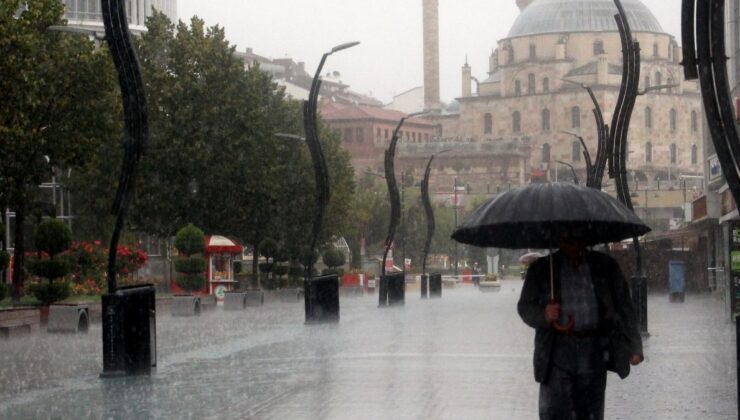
(530, 84)
(648, 152)
(674, 117)
(516, 122)
(694, 121)
(674, 154)
(545, 152)
(517, 88)
(658, 79)
(598, 47)
(532, 51)
(670, 83)
(648, 117)
(576, 151)
(655, 49)
(647, 81)
(575, 117)
(487, 124)
(545, 119)
(546, 85)
(694, 155)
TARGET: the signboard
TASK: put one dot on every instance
(715, 170)
(735, 268)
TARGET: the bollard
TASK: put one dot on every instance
(424, 283)
(129, 331)
(235, 301)
(435, 285)
(185, 305)
(639, 301)
(322, 299)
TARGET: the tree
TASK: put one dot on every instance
(333, 258)
(57, 105)
(191, 265)
(52, 237)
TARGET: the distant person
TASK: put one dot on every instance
(571, 363)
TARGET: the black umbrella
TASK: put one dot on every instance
(537, 215)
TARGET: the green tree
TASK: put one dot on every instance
(191, 264)
(57, 105)
(51, 238)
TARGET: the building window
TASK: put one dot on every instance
(647, 81)
(576, 151)
(377, 134)
(545, 153)
(648, 117)
(516, 122)
(674, 154)
(655, 50)
(487, 124)
(575, 117)
(546, 85)
(648, 152)
(413, 137)
(517, 88)
(694, 155)
(598, 47)
(530, 84)
(670, 83)
(426, 137)
(532, 51)
(545, 120)
(348, 135)
(360, 134)
(658, 79)
(386, 134)
(674, 117)
(694, 121)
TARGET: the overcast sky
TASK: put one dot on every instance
(389, 59)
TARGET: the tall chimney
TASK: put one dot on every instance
(431, 55)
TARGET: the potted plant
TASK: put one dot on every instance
(333, 259)
(190, 264)
(52, 238)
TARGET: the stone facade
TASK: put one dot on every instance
(431, 54)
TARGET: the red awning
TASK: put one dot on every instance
(216, 244)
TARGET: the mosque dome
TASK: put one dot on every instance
(567, 16)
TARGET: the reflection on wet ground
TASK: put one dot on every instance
(466, 356)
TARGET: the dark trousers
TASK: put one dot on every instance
(573, 396)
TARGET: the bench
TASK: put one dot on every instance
(185, 305)
(16, 322)
(68, 319)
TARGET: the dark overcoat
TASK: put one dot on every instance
(618, 320)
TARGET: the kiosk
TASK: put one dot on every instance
(220, 254)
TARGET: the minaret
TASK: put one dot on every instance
(467, 78)
(431, 55)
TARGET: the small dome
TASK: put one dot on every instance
(566, 16)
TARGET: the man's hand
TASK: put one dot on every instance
(552, 312)
(636, 359)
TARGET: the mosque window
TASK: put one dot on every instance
(348, 135)
(648, 152)
(575, 117)
(530, 84)
(546, 85)
(576, 151)
(545, 120)
(487, 124)
(670, 83)
(598, 47)
(532, 51)
(694, 155)
(647, 81)
(655, 50)
(517, 88)
(545, 152)
(674, 154)
(516, 122)
(694, 121)
(658, 79)
(648, 117)
(674, 118)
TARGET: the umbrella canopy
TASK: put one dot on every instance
(538, 215)
(530, 257)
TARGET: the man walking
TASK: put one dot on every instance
(592, 329)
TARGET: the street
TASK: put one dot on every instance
(466, 356)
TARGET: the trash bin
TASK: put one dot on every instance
(395, 285)
(677, 280)
(129, 331)
(322, 299)
(435, 285)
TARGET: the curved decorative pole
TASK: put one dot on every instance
(586, 157)
(595, 170)
(321, 172)
(390, 179)
(572, 170)
(428, 210)
(136, 129)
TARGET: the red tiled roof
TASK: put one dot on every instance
(330, 112)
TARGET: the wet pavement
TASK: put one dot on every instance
(466, 356)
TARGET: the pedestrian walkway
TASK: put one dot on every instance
(466, 356)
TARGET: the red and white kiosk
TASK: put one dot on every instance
(220, 254)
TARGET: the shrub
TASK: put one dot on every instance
(333, 258)
(280, 270)
(191, 282)
(4, 260)
(189, 240)
(190, 265)
(269, 248)
(52, 236)
(48, 293)
(334, 270)
(50, 269)
(296, 271)
(265, 267)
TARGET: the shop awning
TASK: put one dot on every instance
(216, 244)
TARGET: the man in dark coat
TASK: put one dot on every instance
(592, 299)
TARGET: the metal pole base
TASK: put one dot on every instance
(638, 286)
(424, 283)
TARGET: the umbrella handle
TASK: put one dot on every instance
(567, 328)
